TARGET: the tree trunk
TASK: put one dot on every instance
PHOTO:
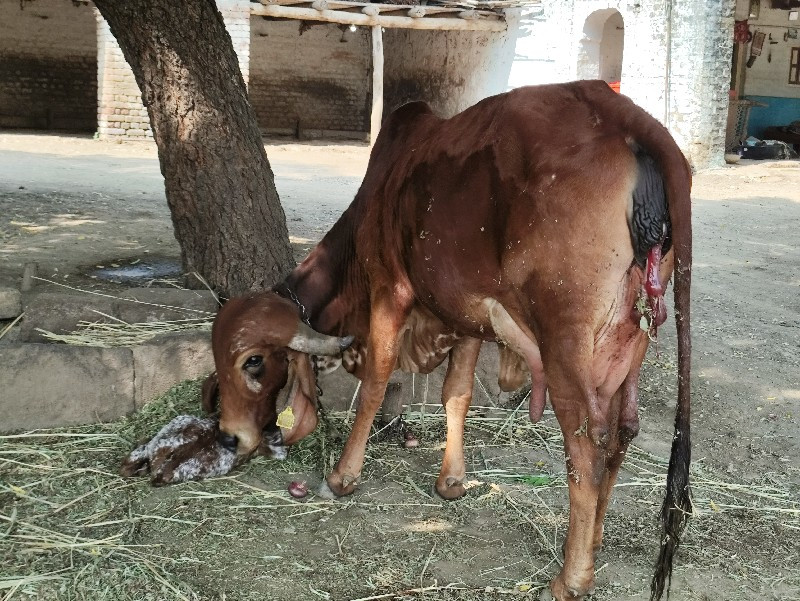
(219, 184)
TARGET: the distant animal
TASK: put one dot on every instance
(547, 219)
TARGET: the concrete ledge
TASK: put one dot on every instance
(47, 385)
(338, 387)
(51, 384)
(166, 360)
(187, 304)
(10, 303)
(60, 313)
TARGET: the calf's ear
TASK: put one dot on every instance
(210, 395)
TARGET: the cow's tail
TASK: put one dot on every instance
(657, 141)
(677, 505)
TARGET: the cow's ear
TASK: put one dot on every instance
(210, 393)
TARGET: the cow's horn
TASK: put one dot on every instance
(313, 343)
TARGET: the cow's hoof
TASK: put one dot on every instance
(561, 592)
(325, 492)
(335, 486)
(450, 490)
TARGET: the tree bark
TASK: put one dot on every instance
(220, 188)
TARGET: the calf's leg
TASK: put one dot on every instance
(456, 398)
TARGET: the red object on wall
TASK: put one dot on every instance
(614, 85)
(741, 32)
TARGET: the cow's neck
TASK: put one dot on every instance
(329, 283)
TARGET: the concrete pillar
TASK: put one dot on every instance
(701, 48)
(120, 112)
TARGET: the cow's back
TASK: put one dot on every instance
(521, 197)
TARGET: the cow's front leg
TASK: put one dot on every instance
(456, 398)
(387, 316)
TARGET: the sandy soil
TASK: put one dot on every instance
(70, 204)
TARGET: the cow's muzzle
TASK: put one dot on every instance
(229, 442)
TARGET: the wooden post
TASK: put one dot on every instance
(377, 84)
(28, 273)
(369, 17)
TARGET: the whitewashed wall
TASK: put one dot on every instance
(612, 48)
(700, 74)
(684, 42)
(451, 70)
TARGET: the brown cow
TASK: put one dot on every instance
(536, 219)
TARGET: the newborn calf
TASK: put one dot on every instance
(184, 449)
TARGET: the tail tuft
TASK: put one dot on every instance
(675, 511)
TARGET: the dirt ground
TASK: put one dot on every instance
(71, 204)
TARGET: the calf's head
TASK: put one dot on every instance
(262, 353)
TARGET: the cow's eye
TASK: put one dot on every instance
(254, 364)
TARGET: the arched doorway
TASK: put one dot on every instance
(601, 48)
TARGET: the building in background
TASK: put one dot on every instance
(765, 71)
(312, 67)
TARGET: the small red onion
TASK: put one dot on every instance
(298, 489)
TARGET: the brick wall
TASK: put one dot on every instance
(314, 80)
(120, 113)
(236, 14)
(48, 72)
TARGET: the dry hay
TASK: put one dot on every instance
(72, 528)
(120, 333)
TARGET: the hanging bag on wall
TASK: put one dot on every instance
(755, 47)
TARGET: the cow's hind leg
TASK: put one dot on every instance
(614, 456)
(585, 471)
(625, 405)
(577, 407)
(456, 398)
(387, 317)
